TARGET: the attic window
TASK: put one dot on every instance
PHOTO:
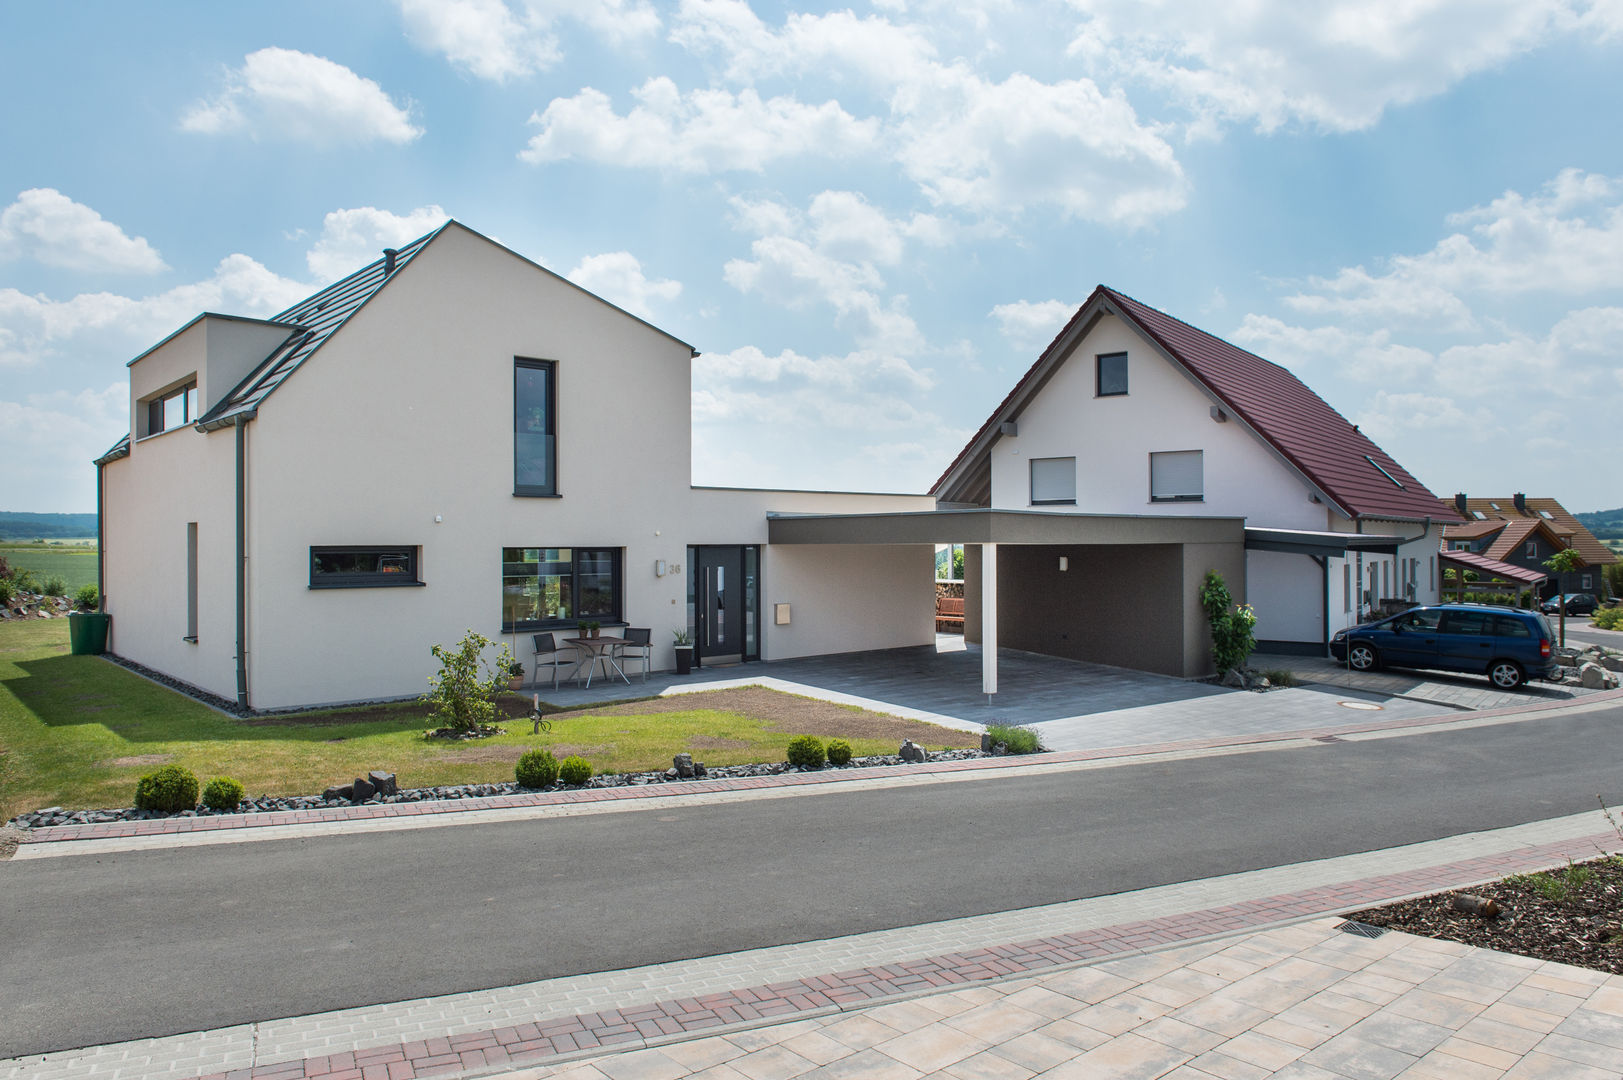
(1479, 515)
(1386, 474)
(1546, 515)
(175, 409)
(1492, 504)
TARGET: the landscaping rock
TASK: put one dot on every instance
(334, 794)
(1233, 678)
(362, 789)
(383, 782)
(911, 752)
(1596, 677)
(683, 764)
(1612, 663)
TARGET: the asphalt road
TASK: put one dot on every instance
(114, 947)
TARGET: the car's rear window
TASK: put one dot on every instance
(1511, 626)
(1546, 631)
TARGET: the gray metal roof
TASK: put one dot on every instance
(316, 319)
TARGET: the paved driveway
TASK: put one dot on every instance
(1448, 689)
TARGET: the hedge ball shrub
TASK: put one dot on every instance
(1019, 740)
(839, 752)
(575, 770)
(86, 598)
(807, 752)
(222, 793)
(536, 769)
(171, 789)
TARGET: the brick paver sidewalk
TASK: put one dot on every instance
(1309, 1002)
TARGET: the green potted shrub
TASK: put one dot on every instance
(87, 627)
(515, 676)
(684, 652)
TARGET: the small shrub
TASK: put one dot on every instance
(1232, 637)
(536, 769)
(1019, 740)
(87, 598)
(807, 752)
(23, 580)
(5, 567)
(5, 591)
(1610, 618)
(1281, 677)
(839, 752)
(222, 793)
(575, 770)
(171, 789)
(55, 585)
(460, 697)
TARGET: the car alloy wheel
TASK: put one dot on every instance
(1506, 674)
(1362, 657)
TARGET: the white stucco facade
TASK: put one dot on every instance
(1112, 437)
(399, 431)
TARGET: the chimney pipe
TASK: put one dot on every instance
(1521, 502)
(1459, 504)
(388, 261)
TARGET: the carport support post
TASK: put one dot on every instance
(989, 619)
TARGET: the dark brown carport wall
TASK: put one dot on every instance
(1128, 593)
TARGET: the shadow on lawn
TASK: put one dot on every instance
(69, 691)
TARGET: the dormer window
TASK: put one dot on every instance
(177, 408)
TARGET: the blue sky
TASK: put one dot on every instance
(868, 219)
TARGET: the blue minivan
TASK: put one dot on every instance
(1507, 645)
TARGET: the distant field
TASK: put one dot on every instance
(75, 563)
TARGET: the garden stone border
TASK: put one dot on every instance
(266, 804)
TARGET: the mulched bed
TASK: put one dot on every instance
(1572, 915)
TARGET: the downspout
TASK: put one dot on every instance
(242, 562)
(101, 543)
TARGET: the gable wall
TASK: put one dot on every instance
(1112, 437)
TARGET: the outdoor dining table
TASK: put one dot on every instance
(601, 649)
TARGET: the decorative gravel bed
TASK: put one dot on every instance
(1571, 916)
(55, 815)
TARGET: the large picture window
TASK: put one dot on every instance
(362, 567)
(1177, 476)
(557, 586)
(535, 435)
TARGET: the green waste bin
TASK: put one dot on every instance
(87, 632)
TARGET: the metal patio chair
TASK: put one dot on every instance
(637, 642)
(548, 652)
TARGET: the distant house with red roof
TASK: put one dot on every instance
(1525, 531)
(1131, 412)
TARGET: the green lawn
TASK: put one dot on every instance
(78, 731)
(75, 564)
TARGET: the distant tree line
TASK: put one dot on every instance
(18, 525)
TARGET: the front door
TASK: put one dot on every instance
(719, 605)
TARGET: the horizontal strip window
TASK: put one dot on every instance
(363, 567)
(547, 588)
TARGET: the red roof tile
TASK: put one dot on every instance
(1331, 453)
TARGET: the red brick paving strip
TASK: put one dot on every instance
(372, 811)
(532, 1043)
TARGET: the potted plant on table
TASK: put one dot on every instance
(684, 652)
(590, 629)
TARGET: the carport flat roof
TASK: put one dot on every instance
(1309, 542)
(982, 526)
(1486, 565)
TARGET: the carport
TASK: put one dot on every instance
(1112, 589)
(1461, 561)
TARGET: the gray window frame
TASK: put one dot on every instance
(1032, 475)
(380, 580)
(1099, 375)
(548, 490)
(1182, 496)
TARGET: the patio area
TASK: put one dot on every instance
(1071, 704)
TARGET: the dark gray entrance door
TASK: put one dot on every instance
(720, 605)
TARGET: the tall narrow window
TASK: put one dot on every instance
(1111, 379)
(191, 581)
(535, 418)
(1053, 481)
(1177, 476)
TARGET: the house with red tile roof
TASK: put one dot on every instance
(1132, 412)
(1525, 531)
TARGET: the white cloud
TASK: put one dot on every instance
(350, 239)
(47, 226)
(484, 37)
(291, 94)
(1336, 65)
(491, 39)
(701, 131)
(829, 255)
(1032, 324)
(34, 328)
(992, 148)
(1565, 240)
(617, 277)
(49, 440)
